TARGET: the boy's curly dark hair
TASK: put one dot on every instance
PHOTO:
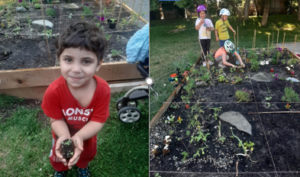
(84, 35)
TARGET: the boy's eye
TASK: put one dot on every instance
(86, 61)
(68, 59)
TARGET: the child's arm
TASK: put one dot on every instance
(197, 27)
(61, 130)
(239, 58)
(231, 29)
(86, 132)
(216, 33)
(225, 62)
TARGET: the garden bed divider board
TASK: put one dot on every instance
(131, 10)
(175, 92)
(173, 95)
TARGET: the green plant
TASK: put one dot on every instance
(102, 28)
(37, 6)
(70, 15)
(221, 78)
(50, 12)
(237, 79)
(290, 95)
(222, 139)
(170, 119)
(87, 11)
(179, 120)
(113, 20)
(123, 23)
(283, 61)
(189, 86)
(115, 53)
(254, 64)
(185, 154)
(107, 37)
(48, 33)
(292, 61)
(185, 99)
(16, 29)
(200, 136)
(202, 152)
(268, 98)
(97, 24)
(188, 133)
(248, 145)
(243, 95)
(174, 105)
(240, 142)
(287, 106)
(157, 175)
(232, 69)
(67, 142)
(197, 108)
(216, 112)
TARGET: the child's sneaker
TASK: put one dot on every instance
(59, 174)
(83, 172)
(221, 65)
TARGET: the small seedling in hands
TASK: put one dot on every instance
(67, 148)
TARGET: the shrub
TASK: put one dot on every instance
(290, 95)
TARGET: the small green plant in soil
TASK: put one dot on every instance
(200, 136)
(287, 106)
(113, 20)
(70, 15)
(87, 11)
(197, 108)
(189, 86)
(216, 112)
(254, 64)
(232, 69)
(292, 61)
(48, 33)
(248, 145)
(102, 28)
(157, 175)
(222, 139)
(185, 99)
(37, 6)
(107, 37)
(16, 29)
(115, 53)
(221, 78)
(123, 23)
(179, 120)
(67, 148)
(237, 79)
(268, 99)
(185, 154)
(50, 12)
(290, 95)
(174, 105)
(243, 95)
(170, 119)
(97, 24)
(240, 145)
(197, 154)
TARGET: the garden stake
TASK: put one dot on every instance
(45, 31)
(283, 41)
(140, 12)
(276, 112)
(113, 12)
(132, 10)
(268, 43)
(119, 15)
(294, 46)
(277, 38)
(236, 168)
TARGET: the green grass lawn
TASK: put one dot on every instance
(26, 142)
(169, 50)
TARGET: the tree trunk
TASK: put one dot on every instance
(298, 10)
(232, 3)
(246, 10)
(256, 6)
(266, 13)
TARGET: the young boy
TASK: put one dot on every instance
(221, 27)
(221, 55)
(204, 26)
(77, 103)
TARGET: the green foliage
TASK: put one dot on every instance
(7, 101)
(290, 95)
(202, 152)
(292, 61)
(97, 24)
(123, 23)
(115, 53)
(107, 37)
(240, 142)
(185, 154)
(238, 79)
(67, 142)
(232, 69)
(243, 95)
(50, 12)
(221, 78)
(189, 86)
(185, 99)
(48, 33)
(174, 105)
(216, 112)
(37, 6)
(200, 136)
(171, 119)
(87, 11)
(252, 55)
(248, 145)
(197, 108)
(222, 139)
(70, 16)
(254, 64)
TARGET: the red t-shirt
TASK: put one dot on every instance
(58, 103)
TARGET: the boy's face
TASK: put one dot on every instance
(78, 66)
(225, 17)
(202, 14)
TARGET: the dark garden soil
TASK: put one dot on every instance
(26, 48)
(240, 174)
(67, 148)
(276, 136)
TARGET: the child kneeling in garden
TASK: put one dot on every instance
(77, 103)
(204, 26)
(222, 55)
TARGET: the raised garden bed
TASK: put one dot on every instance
(200, 145)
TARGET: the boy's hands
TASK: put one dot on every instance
(78, 142)
(234, 32)
(58, 149)
(243, 65)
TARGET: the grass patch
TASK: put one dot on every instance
(168, 50)
(26, 144)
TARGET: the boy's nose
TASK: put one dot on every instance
(76, 68)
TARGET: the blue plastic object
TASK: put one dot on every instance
(137, 49)
(171, 79)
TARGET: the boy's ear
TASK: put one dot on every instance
(99, 65)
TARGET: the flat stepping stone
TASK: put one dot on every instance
(40, 22)
(262, 77)
(238, 120)
(71, 6)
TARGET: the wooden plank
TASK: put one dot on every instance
(44, 76)
(38, 92)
